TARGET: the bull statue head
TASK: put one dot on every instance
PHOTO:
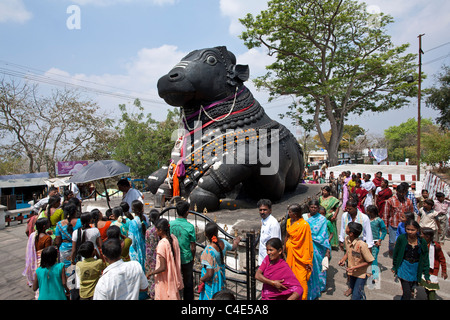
(201, 77)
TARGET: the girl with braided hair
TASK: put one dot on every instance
(213, 262)
(168, 279)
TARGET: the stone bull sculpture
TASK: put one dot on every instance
(228, 147)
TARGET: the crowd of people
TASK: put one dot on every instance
(128, 254)
(370, 210)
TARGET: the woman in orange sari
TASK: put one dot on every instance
(299, 247)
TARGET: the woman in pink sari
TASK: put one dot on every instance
(168, 279)
(345, 188)
(279, 282)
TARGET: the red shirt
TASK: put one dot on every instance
(393, 208)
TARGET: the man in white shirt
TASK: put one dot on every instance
(353, 214)
(52, 191)
(120, 280)
(129, 194)
(270, 228)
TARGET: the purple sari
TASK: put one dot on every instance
(279, 271)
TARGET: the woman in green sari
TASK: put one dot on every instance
(331, 205)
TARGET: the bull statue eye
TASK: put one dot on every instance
(211, 60)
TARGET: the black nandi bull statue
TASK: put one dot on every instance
(228, 146)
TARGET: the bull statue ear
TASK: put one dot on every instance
(242, 72)
(238, 73)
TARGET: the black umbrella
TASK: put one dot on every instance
(100, 170)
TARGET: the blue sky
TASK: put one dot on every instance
(123, 46)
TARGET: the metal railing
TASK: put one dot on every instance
(241, 275)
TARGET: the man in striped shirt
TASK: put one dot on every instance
(394, 207)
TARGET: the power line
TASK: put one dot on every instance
(437, 59)
(52, 81)
(441, 45)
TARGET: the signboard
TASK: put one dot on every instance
(69, 168)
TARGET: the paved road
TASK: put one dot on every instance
(13, 242)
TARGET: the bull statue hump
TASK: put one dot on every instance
(227, 145)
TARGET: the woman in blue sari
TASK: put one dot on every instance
(319, 232)
(136, 232)
(63, 240)
(212, 277)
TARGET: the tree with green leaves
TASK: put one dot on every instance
(334, 57)
(144, 144)
(439, 98)
(402, 139)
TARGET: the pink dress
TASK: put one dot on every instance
(169, 282)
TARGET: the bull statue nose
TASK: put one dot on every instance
(176, 75)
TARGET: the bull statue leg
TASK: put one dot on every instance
(220, 179)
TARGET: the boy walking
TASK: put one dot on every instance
(359, 259)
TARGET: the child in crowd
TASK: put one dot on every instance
(358, 257)
(88, 270)
(379, 232)
(404, 217)
(410, 259)
(437, 261)
(51, 277)
(428, 218)
(279, 282)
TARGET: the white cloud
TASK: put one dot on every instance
(139, 81)
(237, 9)
(14, 10)
(104, 3)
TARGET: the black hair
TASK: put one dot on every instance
(49, 257)
(95, 216)
(125, 206)
(355, 228)
(428, 232)
(85, 218)
(327, 188)
(70, 212)
(429, 201)
(372, 209)
(163, 225)
(182, 207)
(124, 182)
(41, 225)
(108, 213)
(275, 243)
(86, 249)
(224, 294)
(113, 232)
(154, 215)
(352, 203)
(112, 249)
(402, 187)
(412, 222)
(117, 211)
(440, 194)
(138, 209)
(211, 230)
(409, 216)
(296, 209)
(264, 202)
(313, 202)
(424, 190)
